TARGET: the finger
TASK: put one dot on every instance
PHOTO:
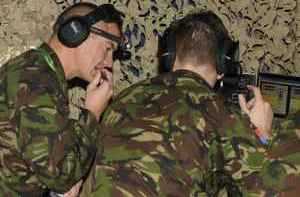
(268, 107)
(251, 103)
(256, 91)
(109, 78)
(79, 183)
(103, 74)
(243, 105)
(95, 81)
(107, 75)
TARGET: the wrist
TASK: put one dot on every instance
(263, 137)
(94, 113)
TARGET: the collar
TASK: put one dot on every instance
(53, 62)
(183, 73)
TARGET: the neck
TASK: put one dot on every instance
(64, 55)
(206, 71)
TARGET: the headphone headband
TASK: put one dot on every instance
(100, 13)
(76, 29)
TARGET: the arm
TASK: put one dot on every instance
(99, 90)
(43, 147)
(98, 94)
(56, 151)
(271, 170)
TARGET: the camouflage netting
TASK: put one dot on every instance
(267, 30)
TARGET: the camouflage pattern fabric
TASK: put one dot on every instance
(172, 136)
(40, 146)
(284, 156)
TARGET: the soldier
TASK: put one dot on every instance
(41, 147)
(172, 135)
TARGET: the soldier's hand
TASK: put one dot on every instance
(99, 92)
(258, 110)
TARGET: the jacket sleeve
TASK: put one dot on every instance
(59, 150)
(42, 147)
(57, 155)
(258, 168)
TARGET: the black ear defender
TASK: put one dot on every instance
(167, 49)
(75, 30)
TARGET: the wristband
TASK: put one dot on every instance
(263, 139)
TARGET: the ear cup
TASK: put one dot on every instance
(167, 50)
(73, 32)
(221, 57)
(228, 57)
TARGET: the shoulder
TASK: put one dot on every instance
(135, 99)
(28, 63)
(135, 92)
(29, 73)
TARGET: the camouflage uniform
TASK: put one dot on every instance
(174, 137)
(40, 146)
(285, 154)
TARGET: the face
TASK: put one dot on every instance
(96, 53)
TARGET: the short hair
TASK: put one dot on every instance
(83, 8)
(199, 37)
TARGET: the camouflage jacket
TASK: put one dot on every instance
(40, 146)
(172, 136)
